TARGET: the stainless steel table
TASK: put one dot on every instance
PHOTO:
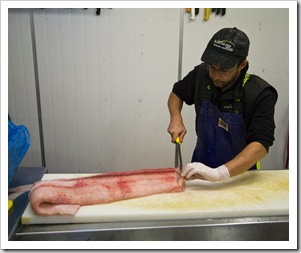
(233, 229)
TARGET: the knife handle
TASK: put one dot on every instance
(178, 140)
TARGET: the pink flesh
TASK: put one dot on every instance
(66, 196)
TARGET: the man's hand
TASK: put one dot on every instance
(176, 129)
(201, 171)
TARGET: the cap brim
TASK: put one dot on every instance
(219, 58)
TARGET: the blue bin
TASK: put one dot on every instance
(18, 144)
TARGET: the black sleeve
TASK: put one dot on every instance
(185, 88)
(261, 124)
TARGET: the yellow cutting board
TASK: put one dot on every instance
(253, 193)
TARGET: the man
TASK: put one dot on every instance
(234, 110)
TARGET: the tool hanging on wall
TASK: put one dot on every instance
(98, 11)
(221, 11)
(207, 14)
(194, 12)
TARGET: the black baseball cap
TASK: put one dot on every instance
(226, 48)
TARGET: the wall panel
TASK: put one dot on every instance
(103, 100)
(22, 105)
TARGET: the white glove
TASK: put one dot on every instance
(201, 171)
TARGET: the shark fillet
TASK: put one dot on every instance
(66, 196)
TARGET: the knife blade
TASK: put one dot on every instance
(178, 143)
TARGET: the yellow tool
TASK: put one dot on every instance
(207, 14)
(10, 204)
(178, 140)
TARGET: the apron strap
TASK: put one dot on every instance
(246, 79)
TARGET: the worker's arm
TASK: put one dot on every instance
(252, 153)
(176, 126)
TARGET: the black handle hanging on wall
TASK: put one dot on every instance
(98, 10)
(221, 11)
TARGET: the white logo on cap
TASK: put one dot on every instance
(224, 44)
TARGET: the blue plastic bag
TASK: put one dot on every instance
(18, 144)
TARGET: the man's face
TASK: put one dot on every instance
(224, 78)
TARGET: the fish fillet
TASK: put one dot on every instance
(66, 196)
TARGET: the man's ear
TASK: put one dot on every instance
(243, 64)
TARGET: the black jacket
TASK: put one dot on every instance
(256, 101)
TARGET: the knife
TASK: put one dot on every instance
(178, 143)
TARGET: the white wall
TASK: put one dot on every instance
(22, 103)
(104, 81)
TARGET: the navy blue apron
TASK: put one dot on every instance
(221, 136)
